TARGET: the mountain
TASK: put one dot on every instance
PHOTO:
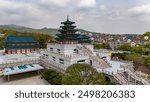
(51, 31)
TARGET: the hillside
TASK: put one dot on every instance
(49, 31)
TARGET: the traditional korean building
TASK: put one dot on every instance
(20, 44)
(71, 48)
(68, 34)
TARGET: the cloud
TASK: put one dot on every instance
(92, 15)
(55, 2)
(141, 12)
(102, 7)
(86, 3)
(144, 9)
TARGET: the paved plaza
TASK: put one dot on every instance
(22, 79)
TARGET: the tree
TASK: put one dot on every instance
(147, 34)
(140, 50)
(101, 46)
(1, 43)
(147, 61)
(82, 74)
(119, 55)
(52, 77)
(125, 47)
(136, 58)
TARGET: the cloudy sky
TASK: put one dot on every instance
(109, 16)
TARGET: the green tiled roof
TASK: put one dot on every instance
(21, 39)
(68, 33)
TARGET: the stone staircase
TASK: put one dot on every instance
(95, 58)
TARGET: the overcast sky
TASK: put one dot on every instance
(108, 16)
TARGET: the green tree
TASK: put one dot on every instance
(140, 50)
(136, 58)
(125, 47)
(147, 34)
(52, 77)
(118, 55)
(147, 45)
(1, 43)
(82, 74)
(101, 46)
(147, 61)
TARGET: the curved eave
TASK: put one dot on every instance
(68, 22)
(69, 35)
(73, 30)
(68, 26)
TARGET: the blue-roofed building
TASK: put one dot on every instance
(20, 44)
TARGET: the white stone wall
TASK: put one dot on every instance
(66, 49)
(68, 59)
(67, 54)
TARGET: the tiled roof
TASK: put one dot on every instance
(21, 39)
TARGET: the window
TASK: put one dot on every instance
(81, 61)
(51, 49)
(58, 50)
(75, 51)
(53, 58)
(61, 61)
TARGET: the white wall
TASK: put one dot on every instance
(68, 59)
(66, 49)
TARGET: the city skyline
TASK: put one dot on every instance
(121, 16)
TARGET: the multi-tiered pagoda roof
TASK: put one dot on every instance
(68, 34)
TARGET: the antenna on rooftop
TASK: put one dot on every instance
(68, 18)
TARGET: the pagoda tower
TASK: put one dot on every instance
(68, 34)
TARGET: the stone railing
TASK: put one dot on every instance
(132, 73)
(18, 62)
(52, 65)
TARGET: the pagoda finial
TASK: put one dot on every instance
(67, 18)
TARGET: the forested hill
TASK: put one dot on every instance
(18, 28)
(49, 31)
